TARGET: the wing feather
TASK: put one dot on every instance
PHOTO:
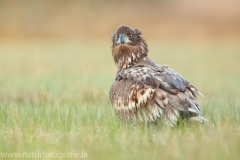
(153, 93)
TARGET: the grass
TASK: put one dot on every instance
(54, 98)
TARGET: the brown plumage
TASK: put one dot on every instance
(146, 91)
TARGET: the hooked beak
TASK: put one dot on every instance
(122, 38)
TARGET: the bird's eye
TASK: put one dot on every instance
(130, 35)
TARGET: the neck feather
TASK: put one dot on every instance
(127, 55)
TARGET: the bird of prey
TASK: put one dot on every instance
(146, 91)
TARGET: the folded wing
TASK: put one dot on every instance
(144, 92)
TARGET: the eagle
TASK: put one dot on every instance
(146, 91)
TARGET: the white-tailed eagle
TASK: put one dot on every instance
(146, 91)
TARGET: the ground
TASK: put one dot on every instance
(54, 98)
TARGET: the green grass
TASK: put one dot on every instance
(54, 98)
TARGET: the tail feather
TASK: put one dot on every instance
(198, 119)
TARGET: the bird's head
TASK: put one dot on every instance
(128, 46)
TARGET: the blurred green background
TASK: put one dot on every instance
(56, 65)
(40, 39)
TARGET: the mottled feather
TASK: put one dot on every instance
(146, 91)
